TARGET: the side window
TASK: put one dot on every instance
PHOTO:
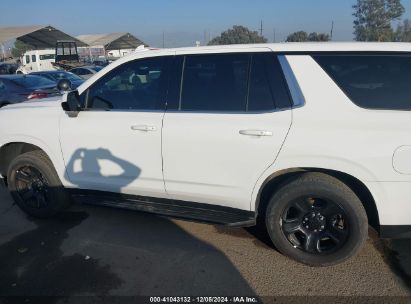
(137, 85)
(260, 96)
(215, 82)
(372, 81)
(268, 89)
(27, 59)
(33, 58)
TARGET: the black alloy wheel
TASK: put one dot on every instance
(315, 225)
(32, 187)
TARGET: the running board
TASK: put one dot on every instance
(199, 212)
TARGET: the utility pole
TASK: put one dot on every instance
(332, 30)
(274, 35)
(261, 28)
(164, 39)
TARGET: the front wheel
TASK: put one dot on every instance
(35, 186)
(317, 220)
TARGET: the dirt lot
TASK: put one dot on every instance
(101, 251)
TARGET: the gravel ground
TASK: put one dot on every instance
(101, 251)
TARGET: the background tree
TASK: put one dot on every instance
(299, 36)
(302, 36)
(403, 32)
(20, 48)
(238, 35)
(373, 19)
(318, 37)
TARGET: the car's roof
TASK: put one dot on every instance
(313, 47)
(285, 47)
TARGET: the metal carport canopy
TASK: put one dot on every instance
(112, 41)
(39, 36)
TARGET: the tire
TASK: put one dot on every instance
(316, 220)
(35, 186)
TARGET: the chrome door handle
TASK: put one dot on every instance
(256, 132)
(143, 128)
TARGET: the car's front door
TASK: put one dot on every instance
(114, 144)
(225, 127)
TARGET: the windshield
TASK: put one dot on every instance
(33, 81)
(65, 75)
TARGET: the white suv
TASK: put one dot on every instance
(314, 140)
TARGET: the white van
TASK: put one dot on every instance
(36, 61)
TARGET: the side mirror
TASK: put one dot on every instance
(72, 104)
(64, 85)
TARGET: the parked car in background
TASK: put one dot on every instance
(56, 76)
(101, 62)
(38, 60)
(8, 68)
(18, 88)
(86, 72)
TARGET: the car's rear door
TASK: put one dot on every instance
(225, 126)
(115, 143)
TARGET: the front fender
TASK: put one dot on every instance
(53, 153)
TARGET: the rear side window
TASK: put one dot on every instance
(372, 81)
(33, 58)
(216, 82)
(267, 88)
(242, 82)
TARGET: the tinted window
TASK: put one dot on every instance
(372, 81)
(33, 58)
(27, 58)
(135, 85)
(33, 82)
(260, 96)
(215, 82)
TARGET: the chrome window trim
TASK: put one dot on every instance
(297, 96)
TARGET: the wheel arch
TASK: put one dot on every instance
(10, 151)
(277, 179)
(13, 148)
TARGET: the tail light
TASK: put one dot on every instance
(37, 95)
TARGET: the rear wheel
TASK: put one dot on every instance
(35, 185)
(317, 220)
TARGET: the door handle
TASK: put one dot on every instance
(256, 132)
(144, 128)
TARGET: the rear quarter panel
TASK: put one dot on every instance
(331, 132)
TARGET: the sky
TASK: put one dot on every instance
(183, 21)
